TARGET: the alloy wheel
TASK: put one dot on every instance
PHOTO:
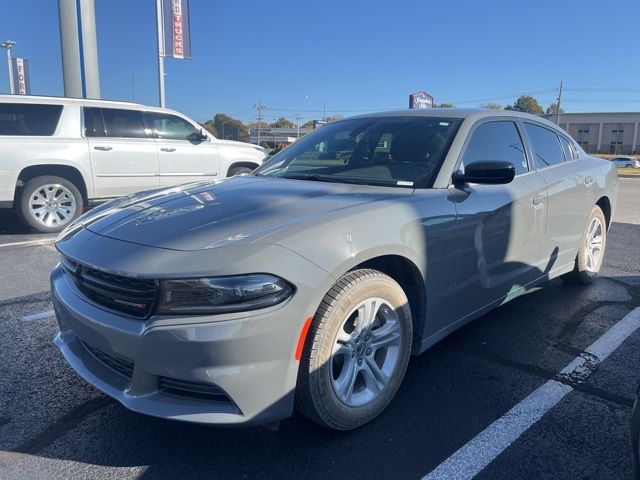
(52, 205)
(594, 245)
(366, 352)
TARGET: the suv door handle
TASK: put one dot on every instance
(539, 199)
(168, 149)
(103, 149)
(588, 180)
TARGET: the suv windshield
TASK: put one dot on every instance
(389, 151)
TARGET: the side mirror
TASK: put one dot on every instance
(486, 172)
(198, 136)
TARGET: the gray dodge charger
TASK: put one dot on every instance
(309, 283)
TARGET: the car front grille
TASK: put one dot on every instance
(119, 365)
(132, 296)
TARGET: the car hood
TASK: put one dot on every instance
(233, 211)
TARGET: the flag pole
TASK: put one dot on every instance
(160, 52)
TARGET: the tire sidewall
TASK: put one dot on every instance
(28, 189)
(329, 407)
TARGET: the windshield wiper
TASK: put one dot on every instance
(319, 178)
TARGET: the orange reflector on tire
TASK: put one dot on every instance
(302, 338)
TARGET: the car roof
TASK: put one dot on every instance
(82, 101)
(460, 113)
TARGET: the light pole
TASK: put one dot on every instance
(8, 44)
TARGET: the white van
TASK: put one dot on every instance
(60, 155)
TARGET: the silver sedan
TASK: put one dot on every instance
(310, 282)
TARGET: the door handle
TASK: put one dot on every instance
(588, 180)
(103, 149)
(539, 199)
(168, 149)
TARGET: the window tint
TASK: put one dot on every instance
(567, 148)
(545, 145)
(496, 141)
(93, 126)
(28, 119)
(123, 123)
(171, 127)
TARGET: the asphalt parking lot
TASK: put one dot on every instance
(458, 401)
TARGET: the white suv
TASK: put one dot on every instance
(59, 155)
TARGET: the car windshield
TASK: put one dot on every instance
(387, 151)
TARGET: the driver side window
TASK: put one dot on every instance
(497, 140)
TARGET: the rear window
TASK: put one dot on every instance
(123, 123)
(29, 119)
(545, 144)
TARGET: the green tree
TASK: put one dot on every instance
(308, 124)
(282, 123)
(333, 118)
(491, 106)
(446, 105)
(225, 127)
(255, 125)
(526, 103)
(553, 108)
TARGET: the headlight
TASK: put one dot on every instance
(237, 293)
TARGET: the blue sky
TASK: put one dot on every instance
(353, 55)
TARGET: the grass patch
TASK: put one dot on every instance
(629, 172)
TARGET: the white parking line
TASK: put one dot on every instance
(470, 459)
(27, 243)
(40, 316)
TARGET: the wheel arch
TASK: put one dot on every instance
(605, 204)
(68, 172)
(408, 275)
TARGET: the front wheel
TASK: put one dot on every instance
(239, 171)
(356, 352)
(48, 203)
(591, 251)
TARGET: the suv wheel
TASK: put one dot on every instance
(356, 352)
(591, 250)
(48, 203)
(238, 171)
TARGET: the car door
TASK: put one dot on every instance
(500, 227)
(123, 155)
(568, 192)
(183, 155)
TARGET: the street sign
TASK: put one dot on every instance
(420, 100)
(20, 67)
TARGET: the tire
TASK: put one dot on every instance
(322, 374)
(586, 269)
(70, 203)
(238, 171)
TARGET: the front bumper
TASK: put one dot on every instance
(248, 360)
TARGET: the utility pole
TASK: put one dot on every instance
(160, 28)
(298, 117)
(8, 44)
(558, 104)
(259, 107)
(324, 112)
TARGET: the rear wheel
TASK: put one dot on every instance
(48, 203)
(356, 352)
(592, 247)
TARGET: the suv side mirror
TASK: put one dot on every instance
(486, 172)
(198, 136)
